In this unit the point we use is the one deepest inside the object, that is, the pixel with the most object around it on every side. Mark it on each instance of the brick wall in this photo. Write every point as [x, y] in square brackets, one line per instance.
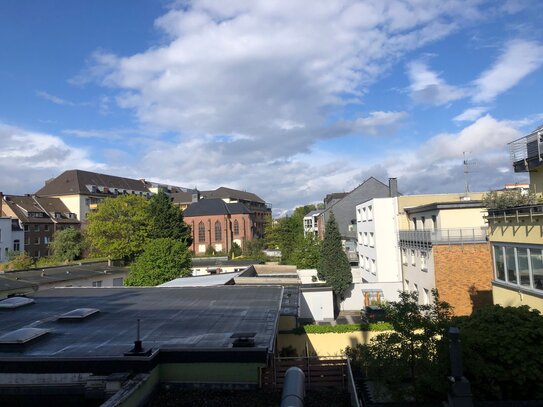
[463, 275]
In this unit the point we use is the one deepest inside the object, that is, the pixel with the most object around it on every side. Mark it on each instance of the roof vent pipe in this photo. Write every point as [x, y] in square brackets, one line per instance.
[138, 349]
[293, 388]
[393, 187]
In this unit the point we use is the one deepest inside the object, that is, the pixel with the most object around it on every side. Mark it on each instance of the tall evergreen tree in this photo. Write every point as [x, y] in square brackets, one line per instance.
[167, 220]
[334, 265]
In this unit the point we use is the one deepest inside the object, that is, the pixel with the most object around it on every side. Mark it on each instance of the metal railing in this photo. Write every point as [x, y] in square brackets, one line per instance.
[426, 238]
[527, 147]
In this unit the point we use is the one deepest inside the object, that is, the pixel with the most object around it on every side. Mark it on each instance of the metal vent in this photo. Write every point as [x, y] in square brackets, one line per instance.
[15, 302]
[243, 339]
[17, 339]
[78, 314]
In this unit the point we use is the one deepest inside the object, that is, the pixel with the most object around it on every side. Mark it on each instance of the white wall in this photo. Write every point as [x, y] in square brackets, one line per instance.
[354, 299]
[6, 243]
[317, 304]
[417, 278]
[377, 232]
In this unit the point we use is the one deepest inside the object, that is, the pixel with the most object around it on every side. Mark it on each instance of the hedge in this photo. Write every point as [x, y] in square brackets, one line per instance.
[342, 328]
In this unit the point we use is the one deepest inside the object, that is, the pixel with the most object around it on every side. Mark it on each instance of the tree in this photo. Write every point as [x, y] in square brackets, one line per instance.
[120, 227]
[411, 361]
[235, 251]
[253, 249]
[509, 199]
[162, 260]
[502, 353]
[307, 252]
[167, 220]
[334, 266]
[67, 244]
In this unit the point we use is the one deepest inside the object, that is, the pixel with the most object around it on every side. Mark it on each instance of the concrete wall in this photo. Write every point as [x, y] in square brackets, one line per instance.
[328, 344]
[463, 275]
[510, 297]
[317, 304]
[106, 281]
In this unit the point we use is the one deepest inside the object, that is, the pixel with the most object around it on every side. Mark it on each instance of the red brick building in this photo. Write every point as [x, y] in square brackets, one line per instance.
[218, 224]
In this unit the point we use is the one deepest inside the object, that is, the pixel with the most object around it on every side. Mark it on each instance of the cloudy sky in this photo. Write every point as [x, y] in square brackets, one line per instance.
[288, 99]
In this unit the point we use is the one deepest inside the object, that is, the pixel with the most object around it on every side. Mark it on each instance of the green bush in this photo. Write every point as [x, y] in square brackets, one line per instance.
[341, 328]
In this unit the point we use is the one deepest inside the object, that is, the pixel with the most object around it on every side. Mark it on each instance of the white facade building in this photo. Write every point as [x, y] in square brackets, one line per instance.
[379, 256]
[11, 238]
[311, 225]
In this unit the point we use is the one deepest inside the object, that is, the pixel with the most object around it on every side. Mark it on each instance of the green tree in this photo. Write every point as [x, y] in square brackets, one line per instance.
[119, 227]
[502, 351]
[509, 199]
[411, 361]
[67, 244]
[235, 251]
[307, 252]
[334, 266]
[167, 220]
[162, 260]
[253, 249]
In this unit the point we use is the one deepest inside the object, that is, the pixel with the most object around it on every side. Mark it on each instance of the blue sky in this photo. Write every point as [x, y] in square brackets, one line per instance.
[291, 100]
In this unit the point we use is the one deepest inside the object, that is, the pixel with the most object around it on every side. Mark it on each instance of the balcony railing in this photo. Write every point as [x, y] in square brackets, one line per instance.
[527, 152]
[427, 238]
[515, 213]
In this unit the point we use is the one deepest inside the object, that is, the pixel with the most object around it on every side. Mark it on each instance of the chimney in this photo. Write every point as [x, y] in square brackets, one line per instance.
[393, 187]
[196, 196]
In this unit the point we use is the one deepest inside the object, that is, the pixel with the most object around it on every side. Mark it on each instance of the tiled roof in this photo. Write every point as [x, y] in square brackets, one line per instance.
[224, 193]
[209, 207]
[22, 205]
[73, 182]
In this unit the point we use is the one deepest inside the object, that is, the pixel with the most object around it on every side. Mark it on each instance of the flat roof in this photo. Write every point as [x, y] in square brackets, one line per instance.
[201, 281]
[444, 205]
[190, 322]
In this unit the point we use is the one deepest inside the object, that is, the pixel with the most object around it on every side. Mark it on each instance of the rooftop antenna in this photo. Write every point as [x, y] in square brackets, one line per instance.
[467, 170]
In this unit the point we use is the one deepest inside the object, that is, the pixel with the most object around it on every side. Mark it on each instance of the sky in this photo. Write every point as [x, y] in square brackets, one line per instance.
[291, 100]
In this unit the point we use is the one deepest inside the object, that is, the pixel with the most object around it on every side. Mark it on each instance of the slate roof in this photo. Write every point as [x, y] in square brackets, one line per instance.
[181, 197]
[74, 182]
[210, 207]
[224, 193]
[21, 205]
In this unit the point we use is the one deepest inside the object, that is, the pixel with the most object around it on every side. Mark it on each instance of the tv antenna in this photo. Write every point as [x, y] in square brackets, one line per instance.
[468, 164]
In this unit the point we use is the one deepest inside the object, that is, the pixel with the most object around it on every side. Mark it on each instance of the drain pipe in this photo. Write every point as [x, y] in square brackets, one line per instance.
[293, 388]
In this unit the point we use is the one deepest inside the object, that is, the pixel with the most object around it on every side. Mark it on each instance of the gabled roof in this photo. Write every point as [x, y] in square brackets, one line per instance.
[74, 182]
[22, 205]
[209, 207]
[224, 193]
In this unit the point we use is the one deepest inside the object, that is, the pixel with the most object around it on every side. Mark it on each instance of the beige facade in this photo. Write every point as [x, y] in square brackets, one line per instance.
[507, 297]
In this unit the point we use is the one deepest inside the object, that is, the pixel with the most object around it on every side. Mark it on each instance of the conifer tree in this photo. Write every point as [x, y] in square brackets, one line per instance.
[334, 265]
[167, 220]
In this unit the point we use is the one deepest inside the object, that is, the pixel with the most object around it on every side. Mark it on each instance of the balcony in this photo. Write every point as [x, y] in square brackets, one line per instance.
[427, 238]
[527, 152]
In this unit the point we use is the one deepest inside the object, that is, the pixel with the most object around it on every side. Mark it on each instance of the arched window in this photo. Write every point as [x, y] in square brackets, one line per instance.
[201, 232]
[236, 227]
[218, 232]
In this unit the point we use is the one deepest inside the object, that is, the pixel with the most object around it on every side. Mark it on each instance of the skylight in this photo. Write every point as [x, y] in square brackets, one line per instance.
[22, 336]
[15, 302]
[78, 314]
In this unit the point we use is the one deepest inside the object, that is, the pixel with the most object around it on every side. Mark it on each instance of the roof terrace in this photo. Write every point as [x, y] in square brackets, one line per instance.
[527, 152]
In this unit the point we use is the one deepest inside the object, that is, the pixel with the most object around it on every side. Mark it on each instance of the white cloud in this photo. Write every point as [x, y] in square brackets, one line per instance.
[471, 114]
[54, 99]
[428, 88]
[28, 158]
[519, 58]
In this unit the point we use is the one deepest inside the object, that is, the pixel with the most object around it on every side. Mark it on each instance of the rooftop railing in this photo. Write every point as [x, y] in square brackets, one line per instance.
[527, 148]
[426, 238]
[515, 212]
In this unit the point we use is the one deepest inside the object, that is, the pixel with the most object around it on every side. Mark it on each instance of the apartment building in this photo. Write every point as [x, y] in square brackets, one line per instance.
[11, 237]
[446, 248]
[516, 233]
[39, 218]
[311, 223]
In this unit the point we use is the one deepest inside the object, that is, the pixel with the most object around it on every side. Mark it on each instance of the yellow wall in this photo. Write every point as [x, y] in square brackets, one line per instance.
[513, 298]
[328, 344]
[536, 181]
[461, 218]
[76, 204]
[513, 231]
[407, 201]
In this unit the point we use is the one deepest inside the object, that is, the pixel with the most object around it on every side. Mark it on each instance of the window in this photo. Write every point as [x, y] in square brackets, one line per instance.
[536, 261]
[499, 264]
[425, 297]
[46, 240]
[97, 283]
[404, 257]
[118, 282]
[416, 289]
[16, 245]
[46, 228]
[36, 240]
[370, 213]
[510, 265]
[523, 267]
[412, 257]
[364, 216]
[423, 265]
[372, 242]
[373, 268]
[218, 231]
[26, 228]
[36, 228]
[201, 232]
[365, 238]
